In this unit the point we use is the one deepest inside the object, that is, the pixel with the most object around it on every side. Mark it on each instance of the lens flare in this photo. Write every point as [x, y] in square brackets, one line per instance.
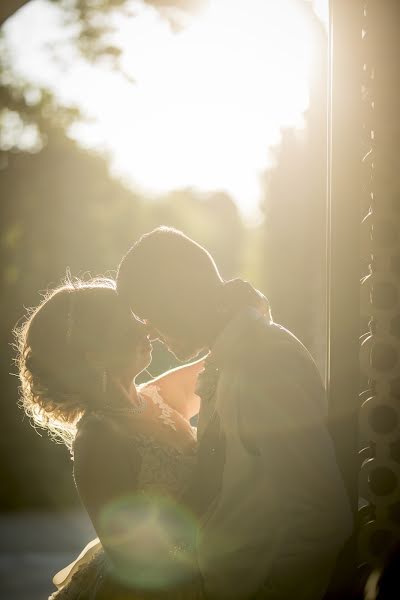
[151, 540]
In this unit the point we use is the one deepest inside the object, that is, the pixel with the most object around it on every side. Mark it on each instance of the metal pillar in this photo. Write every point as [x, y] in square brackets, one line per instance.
[344, 200]
[363, 379]
[380, 349]
[343, 262]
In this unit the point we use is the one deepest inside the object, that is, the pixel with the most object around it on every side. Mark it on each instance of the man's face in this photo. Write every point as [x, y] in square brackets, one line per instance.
[183, 345]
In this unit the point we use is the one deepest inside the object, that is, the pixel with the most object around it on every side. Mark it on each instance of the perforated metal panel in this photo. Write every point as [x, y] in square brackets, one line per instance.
[379, 417]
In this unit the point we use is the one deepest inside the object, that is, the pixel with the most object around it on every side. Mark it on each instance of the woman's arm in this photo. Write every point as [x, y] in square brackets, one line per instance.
[105, 470]
[177, 388]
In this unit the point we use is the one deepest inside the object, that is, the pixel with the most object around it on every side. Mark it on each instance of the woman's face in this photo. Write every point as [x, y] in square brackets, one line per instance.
[185, 338]
[141, 346]
[130, 348]
[143, 354]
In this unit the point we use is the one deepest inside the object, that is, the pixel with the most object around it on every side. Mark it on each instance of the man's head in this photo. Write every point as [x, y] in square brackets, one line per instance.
[173, 283]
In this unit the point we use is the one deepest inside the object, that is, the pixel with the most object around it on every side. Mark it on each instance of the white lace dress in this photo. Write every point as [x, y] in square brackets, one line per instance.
[149, 532]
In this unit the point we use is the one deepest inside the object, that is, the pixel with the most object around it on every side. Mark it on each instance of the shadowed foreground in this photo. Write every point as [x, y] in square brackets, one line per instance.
[33, 546]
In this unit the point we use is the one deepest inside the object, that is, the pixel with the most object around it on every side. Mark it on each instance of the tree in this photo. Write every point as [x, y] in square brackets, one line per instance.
[295, 217]
[87, 12]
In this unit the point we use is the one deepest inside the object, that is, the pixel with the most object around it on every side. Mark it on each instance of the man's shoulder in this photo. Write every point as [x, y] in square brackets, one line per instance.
[270, 348]
[265, 337]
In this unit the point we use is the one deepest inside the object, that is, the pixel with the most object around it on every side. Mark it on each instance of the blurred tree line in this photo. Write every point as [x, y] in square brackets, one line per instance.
[294, 240]
[61, 208]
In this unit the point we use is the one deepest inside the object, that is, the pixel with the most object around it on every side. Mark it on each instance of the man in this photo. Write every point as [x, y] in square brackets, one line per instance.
[274, 513]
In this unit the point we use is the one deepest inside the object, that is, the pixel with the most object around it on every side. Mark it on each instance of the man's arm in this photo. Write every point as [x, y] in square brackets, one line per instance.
[293, 509]
[234, 532]
[296, 447]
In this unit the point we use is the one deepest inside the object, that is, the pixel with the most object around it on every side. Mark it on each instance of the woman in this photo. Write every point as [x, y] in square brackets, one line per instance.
[133, 446]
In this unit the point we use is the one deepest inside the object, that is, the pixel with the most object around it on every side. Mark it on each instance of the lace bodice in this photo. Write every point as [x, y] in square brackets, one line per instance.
[166, 466]
[163, 444]
[132, 469]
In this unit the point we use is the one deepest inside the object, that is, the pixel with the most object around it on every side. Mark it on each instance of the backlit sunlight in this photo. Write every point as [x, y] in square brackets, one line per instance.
[206, 102]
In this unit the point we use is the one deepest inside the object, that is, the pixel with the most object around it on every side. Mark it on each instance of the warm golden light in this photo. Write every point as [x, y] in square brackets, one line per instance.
[207, 102]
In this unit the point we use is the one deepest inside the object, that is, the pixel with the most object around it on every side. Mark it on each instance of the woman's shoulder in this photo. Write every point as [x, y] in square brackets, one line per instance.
[95, 432]
[105, 465]
[102, 446]
[92, 423]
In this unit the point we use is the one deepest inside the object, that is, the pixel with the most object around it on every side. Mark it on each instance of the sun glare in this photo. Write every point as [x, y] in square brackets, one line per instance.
[207, 101]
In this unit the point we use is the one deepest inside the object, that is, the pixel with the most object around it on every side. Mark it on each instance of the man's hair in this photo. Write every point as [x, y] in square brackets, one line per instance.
[165, 261]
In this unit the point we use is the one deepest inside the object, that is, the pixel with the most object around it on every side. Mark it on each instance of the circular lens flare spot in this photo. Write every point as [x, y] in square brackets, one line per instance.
[151, 540]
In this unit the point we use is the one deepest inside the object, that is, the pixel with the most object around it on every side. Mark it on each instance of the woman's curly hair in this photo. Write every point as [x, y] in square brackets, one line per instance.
[54, 344]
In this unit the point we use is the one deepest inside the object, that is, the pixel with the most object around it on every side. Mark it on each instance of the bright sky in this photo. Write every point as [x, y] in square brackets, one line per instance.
[206, 103]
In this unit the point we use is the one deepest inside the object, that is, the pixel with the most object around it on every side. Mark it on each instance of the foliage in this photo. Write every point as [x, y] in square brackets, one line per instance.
[294, 256]
[93, 21]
